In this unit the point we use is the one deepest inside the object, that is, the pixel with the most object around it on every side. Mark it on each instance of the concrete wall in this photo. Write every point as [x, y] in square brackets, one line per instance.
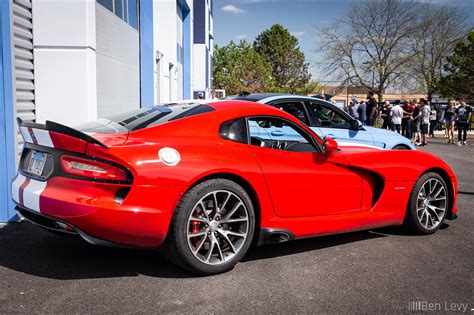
[65, 61]
[118, 64]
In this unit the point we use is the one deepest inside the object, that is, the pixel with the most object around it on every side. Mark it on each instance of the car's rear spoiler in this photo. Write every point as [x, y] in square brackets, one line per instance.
[51, 126]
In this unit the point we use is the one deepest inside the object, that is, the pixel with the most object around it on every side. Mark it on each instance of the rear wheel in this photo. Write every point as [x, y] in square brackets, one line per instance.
[428, 204]
[212, 227]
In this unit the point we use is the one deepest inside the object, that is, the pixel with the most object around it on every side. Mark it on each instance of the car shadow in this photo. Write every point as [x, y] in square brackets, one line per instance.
[308, 244]
[31, 250]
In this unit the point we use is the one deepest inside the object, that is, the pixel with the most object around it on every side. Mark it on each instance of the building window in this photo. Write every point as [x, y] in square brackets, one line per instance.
[118, 8]
[107, 4]
[126, 10]
[132, 13]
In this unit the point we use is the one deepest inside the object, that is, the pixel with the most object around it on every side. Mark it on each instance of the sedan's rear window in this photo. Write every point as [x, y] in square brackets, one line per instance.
[143, 118]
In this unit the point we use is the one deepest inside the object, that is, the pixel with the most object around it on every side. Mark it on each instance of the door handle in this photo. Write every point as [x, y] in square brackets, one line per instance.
[330, 135]
[278, 133]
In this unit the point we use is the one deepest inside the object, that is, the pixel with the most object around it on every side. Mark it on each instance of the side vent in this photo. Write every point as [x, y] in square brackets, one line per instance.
[273, 236]
[378, 189]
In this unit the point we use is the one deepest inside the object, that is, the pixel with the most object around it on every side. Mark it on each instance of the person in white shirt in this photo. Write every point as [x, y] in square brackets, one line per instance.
[214, 95]
[397, 115]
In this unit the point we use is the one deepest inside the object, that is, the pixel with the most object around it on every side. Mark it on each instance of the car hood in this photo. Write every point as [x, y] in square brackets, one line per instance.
[389, 138]
[399, 165]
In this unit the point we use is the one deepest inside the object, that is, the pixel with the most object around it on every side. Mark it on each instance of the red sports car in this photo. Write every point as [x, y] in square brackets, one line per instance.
[203, 182]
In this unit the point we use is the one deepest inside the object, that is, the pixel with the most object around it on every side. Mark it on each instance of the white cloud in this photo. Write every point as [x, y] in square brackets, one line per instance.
[230, 8]
[297, 34]
[240, 37]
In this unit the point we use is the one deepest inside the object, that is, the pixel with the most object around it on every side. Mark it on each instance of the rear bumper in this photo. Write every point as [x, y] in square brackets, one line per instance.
[59, 227]
[95, 212]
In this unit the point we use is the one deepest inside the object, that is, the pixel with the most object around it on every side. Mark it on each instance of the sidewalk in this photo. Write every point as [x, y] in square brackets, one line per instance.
[440, 134]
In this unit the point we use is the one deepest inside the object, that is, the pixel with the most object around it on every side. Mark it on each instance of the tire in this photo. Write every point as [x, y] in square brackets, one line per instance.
[223, 233]
[425, 217]
[400, 147]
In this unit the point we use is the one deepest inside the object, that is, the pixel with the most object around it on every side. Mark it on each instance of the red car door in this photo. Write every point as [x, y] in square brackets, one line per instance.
[301, 181]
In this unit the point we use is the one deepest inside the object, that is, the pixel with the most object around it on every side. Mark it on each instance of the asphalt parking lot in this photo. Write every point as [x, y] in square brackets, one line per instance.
[375, 271]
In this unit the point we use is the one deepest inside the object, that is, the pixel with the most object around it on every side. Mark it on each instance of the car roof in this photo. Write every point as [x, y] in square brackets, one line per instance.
[268, 97]
[249, 107]
[253, 97]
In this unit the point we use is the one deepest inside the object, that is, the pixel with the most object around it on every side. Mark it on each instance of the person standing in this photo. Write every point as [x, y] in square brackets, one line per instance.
[433, 121]
[449, 116]
[353, 106]
[415, 124]
[362, 112]
[371, 108]
[386, 115]
[406, 120]
[425, 121]
[396, 117]
[214, 95]
[463, 118]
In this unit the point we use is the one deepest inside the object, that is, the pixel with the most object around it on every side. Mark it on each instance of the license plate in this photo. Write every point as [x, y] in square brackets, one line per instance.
[37, 162]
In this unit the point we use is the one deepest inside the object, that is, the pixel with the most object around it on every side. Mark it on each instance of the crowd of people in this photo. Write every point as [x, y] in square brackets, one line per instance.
[414, 119]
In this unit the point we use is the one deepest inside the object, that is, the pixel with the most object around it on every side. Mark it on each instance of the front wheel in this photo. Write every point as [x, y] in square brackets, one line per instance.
[212, 227]
[428, 204]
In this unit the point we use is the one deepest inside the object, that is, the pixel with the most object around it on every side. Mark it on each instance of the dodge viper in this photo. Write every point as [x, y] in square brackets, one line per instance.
[201, 183]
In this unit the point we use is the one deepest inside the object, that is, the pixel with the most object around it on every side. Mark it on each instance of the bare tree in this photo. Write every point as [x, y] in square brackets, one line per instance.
[439, 28]
[369, 47]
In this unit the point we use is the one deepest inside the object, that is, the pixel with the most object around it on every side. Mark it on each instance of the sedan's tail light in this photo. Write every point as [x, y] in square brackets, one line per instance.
[78, 166]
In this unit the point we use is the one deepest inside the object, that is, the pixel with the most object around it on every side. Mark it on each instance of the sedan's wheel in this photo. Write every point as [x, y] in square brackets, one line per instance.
[428, 204]
[400, 147]
[212, 227]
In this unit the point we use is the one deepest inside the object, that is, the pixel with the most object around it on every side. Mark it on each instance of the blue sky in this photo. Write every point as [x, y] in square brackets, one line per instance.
[236, 19]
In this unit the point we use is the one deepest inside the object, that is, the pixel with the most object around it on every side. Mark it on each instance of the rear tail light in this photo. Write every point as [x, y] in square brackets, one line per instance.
[74, 165]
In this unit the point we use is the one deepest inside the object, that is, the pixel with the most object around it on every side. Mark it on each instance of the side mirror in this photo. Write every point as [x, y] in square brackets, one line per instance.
[356, 124]
[330, 145]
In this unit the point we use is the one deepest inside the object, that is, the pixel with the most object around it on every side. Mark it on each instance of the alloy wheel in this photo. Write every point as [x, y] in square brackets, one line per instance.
[431, 203]
[217, 227]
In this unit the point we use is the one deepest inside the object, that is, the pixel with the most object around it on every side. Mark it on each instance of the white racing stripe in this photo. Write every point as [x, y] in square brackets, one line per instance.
[43, 137]
[16, 184]
[26, 135]
[32, 193]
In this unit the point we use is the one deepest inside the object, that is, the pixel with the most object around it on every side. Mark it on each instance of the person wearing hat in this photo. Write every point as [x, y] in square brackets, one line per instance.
[353, 106]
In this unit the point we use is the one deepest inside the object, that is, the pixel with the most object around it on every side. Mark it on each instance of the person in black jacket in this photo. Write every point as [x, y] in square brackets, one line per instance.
[463, 118]
[371, 109]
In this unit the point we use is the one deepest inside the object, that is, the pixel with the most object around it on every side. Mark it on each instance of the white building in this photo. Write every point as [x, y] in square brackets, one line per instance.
[71, 61]
[203, 47]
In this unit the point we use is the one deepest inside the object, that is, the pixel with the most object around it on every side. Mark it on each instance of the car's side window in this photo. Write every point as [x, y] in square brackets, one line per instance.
[295, 109]
[279, 134]
[235, 130]
[327, 117]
